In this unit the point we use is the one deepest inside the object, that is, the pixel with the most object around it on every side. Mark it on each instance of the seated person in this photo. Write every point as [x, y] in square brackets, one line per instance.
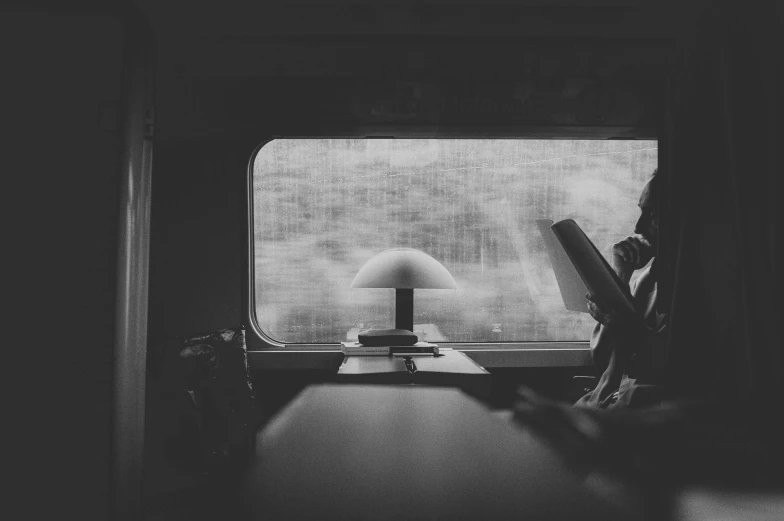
[624, 353]
[630, 425]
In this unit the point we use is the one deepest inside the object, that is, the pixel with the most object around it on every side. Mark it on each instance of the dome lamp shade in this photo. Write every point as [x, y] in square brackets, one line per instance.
[403, 269]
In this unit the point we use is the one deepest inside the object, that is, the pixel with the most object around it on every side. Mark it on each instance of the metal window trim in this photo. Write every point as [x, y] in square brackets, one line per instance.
[328, 357]
[266, 353]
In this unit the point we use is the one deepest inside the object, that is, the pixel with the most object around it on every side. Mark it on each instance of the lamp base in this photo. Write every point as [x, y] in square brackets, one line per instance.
[387, 337]
[404, 309]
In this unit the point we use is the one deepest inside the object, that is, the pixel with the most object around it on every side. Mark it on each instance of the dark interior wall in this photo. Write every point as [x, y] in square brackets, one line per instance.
[196, 240]
[61, 90]
[199, 219]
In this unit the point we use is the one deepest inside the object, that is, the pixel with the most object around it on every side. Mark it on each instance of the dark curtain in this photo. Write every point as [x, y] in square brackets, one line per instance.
[721, 160]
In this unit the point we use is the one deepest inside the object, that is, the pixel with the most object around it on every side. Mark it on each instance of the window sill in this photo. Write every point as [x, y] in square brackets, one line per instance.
[489, 356]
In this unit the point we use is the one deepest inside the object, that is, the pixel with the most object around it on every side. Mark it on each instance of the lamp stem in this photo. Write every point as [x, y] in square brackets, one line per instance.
[404, 308]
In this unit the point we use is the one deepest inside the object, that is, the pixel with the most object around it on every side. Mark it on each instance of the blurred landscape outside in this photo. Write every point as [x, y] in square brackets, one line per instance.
[322, 207]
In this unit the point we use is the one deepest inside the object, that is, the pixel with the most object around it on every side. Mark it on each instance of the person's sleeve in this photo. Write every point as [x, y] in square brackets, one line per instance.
[601, 347]
[605, 341]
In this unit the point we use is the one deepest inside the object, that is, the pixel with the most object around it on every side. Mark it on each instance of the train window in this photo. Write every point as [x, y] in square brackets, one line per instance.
[322, 207]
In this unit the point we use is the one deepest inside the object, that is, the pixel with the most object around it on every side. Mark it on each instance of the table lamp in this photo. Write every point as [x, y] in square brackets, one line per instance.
[403, 269]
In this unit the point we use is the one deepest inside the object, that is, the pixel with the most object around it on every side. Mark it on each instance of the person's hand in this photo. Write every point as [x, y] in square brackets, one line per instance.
[603, 313]
[630, 254]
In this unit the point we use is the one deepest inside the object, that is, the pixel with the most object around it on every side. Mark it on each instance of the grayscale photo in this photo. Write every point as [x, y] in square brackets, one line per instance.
[379, 260]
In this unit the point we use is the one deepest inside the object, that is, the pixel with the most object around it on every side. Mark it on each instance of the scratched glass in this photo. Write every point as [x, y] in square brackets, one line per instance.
[322, 207]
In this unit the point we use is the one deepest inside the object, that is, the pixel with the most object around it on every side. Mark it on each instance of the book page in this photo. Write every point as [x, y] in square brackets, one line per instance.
[570, 284]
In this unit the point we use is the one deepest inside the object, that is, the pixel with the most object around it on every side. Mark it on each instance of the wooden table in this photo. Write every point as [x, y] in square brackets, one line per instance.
[397, 452]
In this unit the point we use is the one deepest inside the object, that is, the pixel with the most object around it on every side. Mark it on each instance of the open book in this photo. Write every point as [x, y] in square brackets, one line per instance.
[579, 268]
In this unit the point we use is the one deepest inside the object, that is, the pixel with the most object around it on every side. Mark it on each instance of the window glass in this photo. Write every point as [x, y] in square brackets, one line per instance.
[322, 207]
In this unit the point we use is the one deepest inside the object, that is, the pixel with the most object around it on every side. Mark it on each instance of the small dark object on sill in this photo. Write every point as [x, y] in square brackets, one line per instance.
[387, 337]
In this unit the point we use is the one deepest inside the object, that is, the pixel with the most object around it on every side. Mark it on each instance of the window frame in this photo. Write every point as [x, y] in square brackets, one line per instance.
[267, 353]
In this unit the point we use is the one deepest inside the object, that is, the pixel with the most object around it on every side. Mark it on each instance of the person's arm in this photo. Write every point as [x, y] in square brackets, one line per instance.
[614, 331]
[631, 254]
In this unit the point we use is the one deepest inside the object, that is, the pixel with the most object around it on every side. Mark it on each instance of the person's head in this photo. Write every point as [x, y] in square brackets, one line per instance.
[648, 223]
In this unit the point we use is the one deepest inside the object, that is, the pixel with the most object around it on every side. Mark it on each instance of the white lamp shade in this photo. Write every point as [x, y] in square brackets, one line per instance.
[403, 268]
